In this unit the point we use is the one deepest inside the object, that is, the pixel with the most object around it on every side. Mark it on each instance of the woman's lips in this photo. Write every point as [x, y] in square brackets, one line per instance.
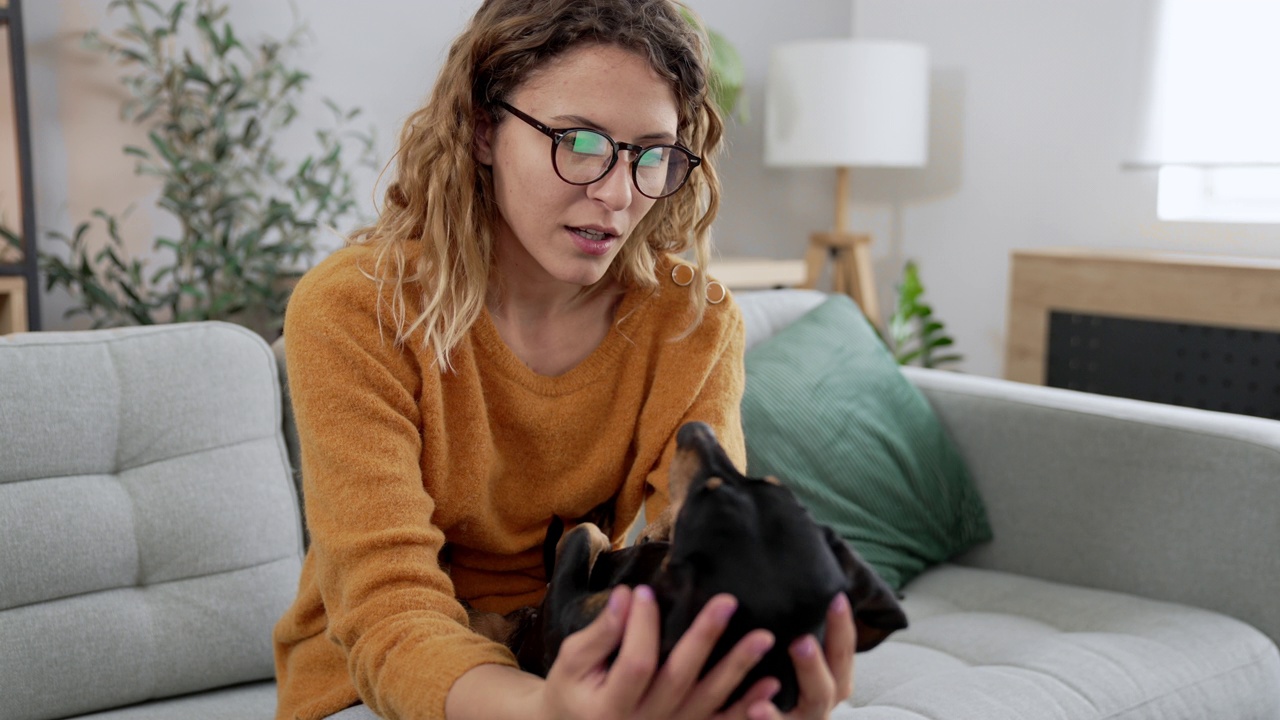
[591, 242]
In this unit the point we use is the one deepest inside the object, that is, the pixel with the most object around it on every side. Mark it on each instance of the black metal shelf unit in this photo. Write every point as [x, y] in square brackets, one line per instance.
[28, 268]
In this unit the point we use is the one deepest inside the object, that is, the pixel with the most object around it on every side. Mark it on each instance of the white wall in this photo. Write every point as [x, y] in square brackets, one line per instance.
[1033, 103]
[1035, 106]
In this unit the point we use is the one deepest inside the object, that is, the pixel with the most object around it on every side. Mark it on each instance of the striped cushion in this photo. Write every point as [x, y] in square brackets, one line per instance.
[827, 411]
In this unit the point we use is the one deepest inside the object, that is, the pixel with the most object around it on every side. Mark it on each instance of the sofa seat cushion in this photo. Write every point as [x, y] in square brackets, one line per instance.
[986, 645]
[254, 701]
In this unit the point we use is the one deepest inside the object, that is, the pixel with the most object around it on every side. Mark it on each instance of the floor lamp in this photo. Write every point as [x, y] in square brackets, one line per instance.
[845, 104]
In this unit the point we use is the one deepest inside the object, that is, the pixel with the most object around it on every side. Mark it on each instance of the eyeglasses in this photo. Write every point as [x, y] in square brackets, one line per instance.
[582, 156]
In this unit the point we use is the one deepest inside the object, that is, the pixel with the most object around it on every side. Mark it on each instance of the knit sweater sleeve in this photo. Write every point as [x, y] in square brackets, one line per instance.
[714, 393]
[358, 401]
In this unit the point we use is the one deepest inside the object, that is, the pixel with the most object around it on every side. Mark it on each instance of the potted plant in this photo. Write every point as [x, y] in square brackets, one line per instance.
[213, 105]
[915, 336]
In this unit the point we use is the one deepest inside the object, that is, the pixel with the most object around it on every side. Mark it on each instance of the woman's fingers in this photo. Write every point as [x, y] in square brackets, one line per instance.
[842, 639]
[633, 669]
[587, 650]
[682, 668]
[760, 694]
[631, 626]
[817, 686]
[764, 711]
[716, 686]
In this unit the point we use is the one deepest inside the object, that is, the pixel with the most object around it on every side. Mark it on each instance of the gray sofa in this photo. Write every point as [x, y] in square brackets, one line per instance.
[150, 537]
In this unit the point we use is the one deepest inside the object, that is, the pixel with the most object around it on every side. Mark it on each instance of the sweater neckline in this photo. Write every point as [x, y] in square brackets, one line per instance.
[490, 342]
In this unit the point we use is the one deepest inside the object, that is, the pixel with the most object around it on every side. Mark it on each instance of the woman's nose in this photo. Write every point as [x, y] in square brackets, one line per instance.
[614, 189]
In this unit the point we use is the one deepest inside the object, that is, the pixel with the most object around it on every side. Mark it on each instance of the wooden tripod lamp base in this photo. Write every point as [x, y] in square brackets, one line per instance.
[851, 274]
[850, 254]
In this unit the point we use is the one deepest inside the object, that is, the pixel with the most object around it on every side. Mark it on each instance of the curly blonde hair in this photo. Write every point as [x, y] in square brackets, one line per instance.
[504, 43]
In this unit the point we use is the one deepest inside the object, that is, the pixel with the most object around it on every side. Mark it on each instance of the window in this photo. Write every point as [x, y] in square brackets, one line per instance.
[1214, 110]
[1225, 194]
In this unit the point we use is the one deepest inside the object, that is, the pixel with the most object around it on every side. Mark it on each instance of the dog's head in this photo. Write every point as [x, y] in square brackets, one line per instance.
[752, 538]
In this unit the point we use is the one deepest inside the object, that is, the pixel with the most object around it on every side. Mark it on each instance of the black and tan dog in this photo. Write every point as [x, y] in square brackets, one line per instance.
[723, 533]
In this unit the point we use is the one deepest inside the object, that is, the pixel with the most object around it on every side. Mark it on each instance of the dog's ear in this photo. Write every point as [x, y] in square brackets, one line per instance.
[685, 466]
[876, 610]
[603, 516]
[580, 548]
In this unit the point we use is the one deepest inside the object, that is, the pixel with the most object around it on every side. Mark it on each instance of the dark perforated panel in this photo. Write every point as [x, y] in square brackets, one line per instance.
[1203, 366]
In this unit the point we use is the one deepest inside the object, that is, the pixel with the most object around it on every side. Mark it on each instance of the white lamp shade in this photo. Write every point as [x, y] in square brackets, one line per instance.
[851, 103]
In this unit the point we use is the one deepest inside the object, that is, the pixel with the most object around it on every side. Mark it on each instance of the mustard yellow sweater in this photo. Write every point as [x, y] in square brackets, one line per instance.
[400, 461]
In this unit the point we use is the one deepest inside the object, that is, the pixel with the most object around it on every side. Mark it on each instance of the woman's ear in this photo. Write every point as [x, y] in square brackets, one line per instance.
[483, 145]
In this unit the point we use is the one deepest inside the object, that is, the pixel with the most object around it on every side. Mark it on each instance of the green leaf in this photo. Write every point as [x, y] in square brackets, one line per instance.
[175, 15]
[115, 259]
[163, 147]
[77, 238]
[204, 25]
[193, 71]
[910, 357]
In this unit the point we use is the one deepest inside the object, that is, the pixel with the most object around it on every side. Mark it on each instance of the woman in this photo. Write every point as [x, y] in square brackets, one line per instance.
[513, 341]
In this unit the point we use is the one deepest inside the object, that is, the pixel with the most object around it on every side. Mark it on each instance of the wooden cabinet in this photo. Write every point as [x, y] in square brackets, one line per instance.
[1178, 328]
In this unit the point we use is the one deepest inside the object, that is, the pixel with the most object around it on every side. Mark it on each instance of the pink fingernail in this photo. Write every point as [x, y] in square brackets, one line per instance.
[841, 604]
[726, 611]
[806, 647]
[644, 593]
[615, 601]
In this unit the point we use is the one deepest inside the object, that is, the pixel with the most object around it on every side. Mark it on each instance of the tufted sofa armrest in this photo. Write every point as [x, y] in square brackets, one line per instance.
[1166, 502]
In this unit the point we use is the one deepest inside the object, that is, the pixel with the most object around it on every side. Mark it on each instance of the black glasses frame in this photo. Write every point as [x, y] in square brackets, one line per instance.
[558, 134]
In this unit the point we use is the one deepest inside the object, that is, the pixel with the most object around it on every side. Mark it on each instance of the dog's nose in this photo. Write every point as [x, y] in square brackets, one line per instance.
[700, 439]
[696, 436]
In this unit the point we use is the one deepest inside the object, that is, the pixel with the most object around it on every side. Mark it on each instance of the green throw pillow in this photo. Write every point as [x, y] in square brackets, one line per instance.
[827, 411]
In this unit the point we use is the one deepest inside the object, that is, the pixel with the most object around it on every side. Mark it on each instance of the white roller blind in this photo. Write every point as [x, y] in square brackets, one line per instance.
[1215, 85]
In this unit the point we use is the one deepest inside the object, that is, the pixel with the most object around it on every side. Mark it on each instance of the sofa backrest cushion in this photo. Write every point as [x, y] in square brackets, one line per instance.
[149, 531]
[765, 312]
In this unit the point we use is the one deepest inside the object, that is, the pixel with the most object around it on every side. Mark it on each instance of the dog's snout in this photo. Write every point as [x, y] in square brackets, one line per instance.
[696, 436]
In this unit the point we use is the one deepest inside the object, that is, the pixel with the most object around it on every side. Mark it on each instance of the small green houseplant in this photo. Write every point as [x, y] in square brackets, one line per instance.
[214, 106]
[915, 336]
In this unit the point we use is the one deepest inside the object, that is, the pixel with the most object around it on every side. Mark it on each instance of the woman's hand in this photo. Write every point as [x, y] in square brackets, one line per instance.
[826, 677]
[581, 683]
